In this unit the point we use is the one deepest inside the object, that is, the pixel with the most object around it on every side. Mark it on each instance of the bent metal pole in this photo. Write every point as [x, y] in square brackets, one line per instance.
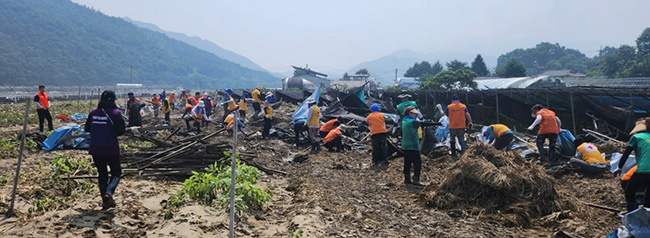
[10, 210]
[233, 174]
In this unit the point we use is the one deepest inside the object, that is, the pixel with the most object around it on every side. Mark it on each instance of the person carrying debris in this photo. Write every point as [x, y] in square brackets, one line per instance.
[639, 143]
[549, 128]
[257, 101]
[197, 114]
[105, 124]
[42, 102]
[442, 131]
[334, 138]
[411, 145]
[133, 107]
[230, 122]
[230, 102]
[166, 109]
[459, 120]
[378, 138]
[269, 97]
[194, 100]
[588, 159]
[155, 104]
[313, 123]
[499, 136]
[183, 97]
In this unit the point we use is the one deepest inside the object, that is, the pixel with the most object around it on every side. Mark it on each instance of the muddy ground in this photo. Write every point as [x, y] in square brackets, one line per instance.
[326, 195]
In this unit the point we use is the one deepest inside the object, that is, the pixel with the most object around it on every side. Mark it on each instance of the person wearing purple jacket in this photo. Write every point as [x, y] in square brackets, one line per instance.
[105, 124]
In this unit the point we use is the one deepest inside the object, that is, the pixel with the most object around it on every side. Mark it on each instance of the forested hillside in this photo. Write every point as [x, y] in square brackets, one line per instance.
[60, 42]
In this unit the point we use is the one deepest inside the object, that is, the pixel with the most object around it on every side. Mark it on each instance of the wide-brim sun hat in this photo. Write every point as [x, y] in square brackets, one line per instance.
[404, 95]
[639, 126]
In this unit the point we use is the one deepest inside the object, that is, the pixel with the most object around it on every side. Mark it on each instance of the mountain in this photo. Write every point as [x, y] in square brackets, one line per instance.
[57, 42]
[206, 45]
[383, 69]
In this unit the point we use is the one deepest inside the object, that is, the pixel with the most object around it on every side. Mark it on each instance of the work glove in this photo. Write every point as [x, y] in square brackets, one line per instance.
[470, 125]
[438, 106]
[530, 128]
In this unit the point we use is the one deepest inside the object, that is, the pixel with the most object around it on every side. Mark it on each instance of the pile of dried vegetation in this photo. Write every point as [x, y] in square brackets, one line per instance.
[500, 186]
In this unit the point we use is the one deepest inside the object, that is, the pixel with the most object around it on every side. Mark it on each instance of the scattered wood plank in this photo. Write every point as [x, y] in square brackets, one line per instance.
[602, 207]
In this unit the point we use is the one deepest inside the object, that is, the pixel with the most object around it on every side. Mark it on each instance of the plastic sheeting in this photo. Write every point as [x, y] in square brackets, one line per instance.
[303, 109]
[565, 141]
[61, 138]
[637, 222]
[616, 158]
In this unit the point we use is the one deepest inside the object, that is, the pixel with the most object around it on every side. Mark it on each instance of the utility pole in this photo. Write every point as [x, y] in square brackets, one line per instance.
[396, 77]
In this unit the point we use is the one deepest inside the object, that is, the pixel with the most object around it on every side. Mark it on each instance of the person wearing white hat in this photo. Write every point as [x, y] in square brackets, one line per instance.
[197, 115]
[269, 97]
[639, 143]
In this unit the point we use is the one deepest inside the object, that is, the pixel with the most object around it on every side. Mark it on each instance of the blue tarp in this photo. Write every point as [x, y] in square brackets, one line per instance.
[565, 140]
[303, 109]
[54, 142]
[78, 116]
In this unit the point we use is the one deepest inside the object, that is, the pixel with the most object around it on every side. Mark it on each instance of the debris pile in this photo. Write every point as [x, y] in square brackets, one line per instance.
[499, 185]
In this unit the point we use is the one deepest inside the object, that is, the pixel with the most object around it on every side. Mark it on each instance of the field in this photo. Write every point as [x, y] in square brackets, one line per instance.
[322, 195]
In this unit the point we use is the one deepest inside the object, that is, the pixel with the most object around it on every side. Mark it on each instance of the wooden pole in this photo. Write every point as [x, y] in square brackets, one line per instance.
[79, 100]
[10, 210]
[573, 114]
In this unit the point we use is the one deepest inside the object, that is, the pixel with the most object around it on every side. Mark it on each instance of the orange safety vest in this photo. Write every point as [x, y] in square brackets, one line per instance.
[171, 98]
[230, 120]
[627, 176]
[192, 101]
[376, 122]
[331, 135]
[499, 129]
[43, 99]
[328, 126]
[231, 104]
[155, 102]
[456, 115]
[548, 125]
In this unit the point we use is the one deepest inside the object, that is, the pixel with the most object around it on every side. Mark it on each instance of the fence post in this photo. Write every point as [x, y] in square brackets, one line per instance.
[10, 210]
[573, 114]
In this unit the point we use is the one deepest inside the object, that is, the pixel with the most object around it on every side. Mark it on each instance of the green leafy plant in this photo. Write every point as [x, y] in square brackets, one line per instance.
[213, 187]
[3, 180]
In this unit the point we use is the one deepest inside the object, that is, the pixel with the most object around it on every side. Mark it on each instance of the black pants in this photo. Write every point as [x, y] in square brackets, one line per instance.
[101, 162]
[503, 141]
[412, 157]
[242, 114]
[322, 134]
[256, 109]
[637, 180]
[336, 143]
[197, 124]
[267, 127]
[298, 127]
[379, 148]
[42, 115]
[552, 139]
[167, 117]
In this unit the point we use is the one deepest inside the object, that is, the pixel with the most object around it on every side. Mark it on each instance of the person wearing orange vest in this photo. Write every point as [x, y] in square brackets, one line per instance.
[377, 125]
[194, 100]
[334, 138]
[42, 102]
[549, 128]
[155, 104]
[328, 126]
[588, 159]
[172, 100]
[499, 135]
[459, 119]
[313, 125]
[133, 107]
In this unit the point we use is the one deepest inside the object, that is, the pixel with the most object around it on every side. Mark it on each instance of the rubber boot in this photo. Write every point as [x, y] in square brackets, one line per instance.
[110, 190]
[416, 181]
[102, 193]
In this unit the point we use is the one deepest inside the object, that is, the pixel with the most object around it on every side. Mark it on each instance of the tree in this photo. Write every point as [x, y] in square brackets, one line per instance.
[346, 76]
[362, 71]
[456, 65]
[616, 62]
[419, 71]
[546, 56]
[512, 69]
[436, 68]
[643, 42]
[451, 79]
[478, 66]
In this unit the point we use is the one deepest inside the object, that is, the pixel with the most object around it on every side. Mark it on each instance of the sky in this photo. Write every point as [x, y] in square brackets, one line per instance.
[336, 35]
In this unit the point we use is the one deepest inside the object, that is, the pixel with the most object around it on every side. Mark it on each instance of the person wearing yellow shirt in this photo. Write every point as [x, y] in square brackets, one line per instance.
[268, 118]
[499, 136]
[313, 125]
[588, 159]
[243, 107]
[255, 94]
